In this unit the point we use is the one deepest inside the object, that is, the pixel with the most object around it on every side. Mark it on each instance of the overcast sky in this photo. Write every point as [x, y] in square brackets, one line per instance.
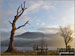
[44, 15]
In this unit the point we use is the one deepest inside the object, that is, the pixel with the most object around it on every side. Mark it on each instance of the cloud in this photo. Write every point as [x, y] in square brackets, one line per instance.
[65, 20]
[34, 7]
[48, 7]
[25, 18]
[40, 23]
[68, 16]
[37, 5]
[43, 23]
[68, 21]
[53, 26]
[49, 29]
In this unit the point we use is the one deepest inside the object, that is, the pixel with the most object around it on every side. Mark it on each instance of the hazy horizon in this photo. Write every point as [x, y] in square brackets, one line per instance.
[44, 16]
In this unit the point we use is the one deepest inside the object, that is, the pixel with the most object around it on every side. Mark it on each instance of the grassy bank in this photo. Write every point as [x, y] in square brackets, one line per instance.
[54, 52]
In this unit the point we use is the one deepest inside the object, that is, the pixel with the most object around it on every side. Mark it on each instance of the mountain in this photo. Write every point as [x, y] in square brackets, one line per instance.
[28, 39]
[31, 35]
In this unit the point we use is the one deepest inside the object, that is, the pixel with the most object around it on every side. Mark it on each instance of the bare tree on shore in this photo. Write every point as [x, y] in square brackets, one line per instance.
[20, 11]
[66, 33]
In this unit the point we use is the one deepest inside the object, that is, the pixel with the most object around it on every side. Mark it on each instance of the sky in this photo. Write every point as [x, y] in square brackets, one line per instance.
[43, 15]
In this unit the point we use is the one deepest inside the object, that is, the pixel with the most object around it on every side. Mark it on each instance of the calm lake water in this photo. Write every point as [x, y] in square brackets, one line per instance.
[23, 49]
[18, 48]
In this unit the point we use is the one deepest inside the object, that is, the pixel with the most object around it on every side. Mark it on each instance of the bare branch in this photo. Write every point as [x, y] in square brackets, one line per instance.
[21, 6]
[10, 22]
[70, 39]
[18, 10]
[22, 25]
[66, 33]
[24, 4]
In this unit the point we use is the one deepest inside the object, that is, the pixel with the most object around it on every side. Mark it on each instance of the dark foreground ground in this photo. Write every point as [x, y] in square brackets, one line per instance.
[33, 53]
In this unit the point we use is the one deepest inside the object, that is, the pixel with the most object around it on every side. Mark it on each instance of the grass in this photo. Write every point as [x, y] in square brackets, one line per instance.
[54, 52]
[49, 52]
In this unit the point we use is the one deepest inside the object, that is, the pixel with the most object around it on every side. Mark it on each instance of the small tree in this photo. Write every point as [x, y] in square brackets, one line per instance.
[66, 33]
[20, 11]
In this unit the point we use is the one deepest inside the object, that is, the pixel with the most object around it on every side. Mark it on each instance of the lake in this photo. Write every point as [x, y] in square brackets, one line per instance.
[18, 48]
[22, 48]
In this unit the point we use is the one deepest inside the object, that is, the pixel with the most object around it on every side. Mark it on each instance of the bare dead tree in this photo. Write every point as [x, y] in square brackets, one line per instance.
[43, 46]
[66, 33]
[20, 11]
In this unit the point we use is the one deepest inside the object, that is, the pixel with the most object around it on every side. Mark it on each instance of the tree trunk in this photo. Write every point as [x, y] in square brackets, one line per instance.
[66, 47]
[20, 11]
[11, 47]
